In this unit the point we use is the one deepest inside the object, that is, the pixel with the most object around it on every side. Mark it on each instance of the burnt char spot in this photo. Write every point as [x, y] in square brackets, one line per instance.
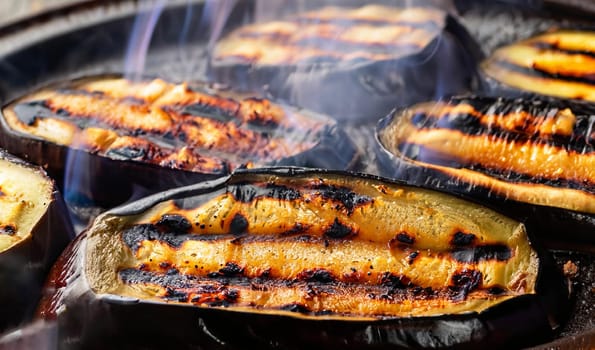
[479, 253]
[8, 230]
[461, 239]
[464, 282]
[238, 225]
[411, 257]
[174, 223]
[317, 275]
[348, 199]
[127, 153]
[28, 112]
[247, 192]
[296, 229]
[303, 309]
[135, 235]
[496, 290]
[231, 295]
[403, 237]
[394, 283]
[231, 269]
[338, 230]
[176, 295]
[171, 279]
[208, 111]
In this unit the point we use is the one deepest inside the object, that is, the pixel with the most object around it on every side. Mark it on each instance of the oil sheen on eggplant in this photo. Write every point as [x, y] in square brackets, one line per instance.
[351, 260]
[159, 135]
[527, 151]
[34, 228]
[354, 64]
[557, 63]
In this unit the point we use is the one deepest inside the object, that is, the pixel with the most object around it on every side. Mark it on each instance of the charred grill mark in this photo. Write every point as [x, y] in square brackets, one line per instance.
[239, 224]
[555, 46]
[469, 124]
[539, 72]
[317, 275]
[338, 230]
[343, 46]
[129, 153]
[296, 229]
[174, 223]
[223, 289]
[209, 111]
[247, 193]
[8, 229]
[481, 253]
[229, 270]
[419, 152]
[379, 22]
[343, 195]
[465, 282]
[462, 239]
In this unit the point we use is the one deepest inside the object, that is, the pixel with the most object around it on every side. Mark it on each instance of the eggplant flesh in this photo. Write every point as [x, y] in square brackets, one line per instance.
[34, 228]
[558, 63]
[352, 260]
[354, 64]
[157, 135]
[536, 157]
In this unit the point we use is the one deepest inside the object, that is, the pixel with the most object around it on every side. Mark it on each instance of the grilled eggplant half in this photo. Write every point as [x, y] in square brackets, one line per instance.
[348, 260]
[532, 158]
[354, 64]
[34, 229]
[557, 63]
[116, 133]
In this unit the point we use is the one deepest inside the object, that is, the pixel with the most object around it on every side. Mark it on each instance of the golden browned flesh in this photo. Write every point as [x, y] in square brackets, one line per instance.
[157, 122]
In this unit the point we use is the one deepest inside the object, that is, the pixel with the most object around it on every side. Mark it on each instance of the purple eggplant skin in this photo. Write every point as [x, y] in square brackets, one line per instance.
[363, 92]
[90, 321]
[23, 267]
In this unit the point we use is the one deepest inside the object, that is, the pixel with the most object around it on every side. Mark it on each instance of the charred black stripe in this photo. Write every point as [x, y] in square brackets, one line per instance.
[379, 22]
[338, 230]
[482, 252]
[462, 239]
[423, 154]
[556, 47]
[317, 275]
[542, 73]
[204, 110]
[247, 193]
[346, 46]
[135, 235]
[345, 196]
[174, 223]
[220, 288]
[470, 125]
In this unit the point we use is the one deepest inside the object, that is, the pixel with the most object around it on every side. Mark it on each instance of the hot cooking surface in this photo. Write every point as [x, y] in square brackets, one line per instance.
[94, 38]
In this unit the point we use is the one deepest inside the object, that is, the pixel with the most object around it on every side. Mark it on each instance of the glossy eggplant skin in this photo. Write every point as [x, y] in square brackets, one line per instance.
[135, 323]
[86, 173]
[23, 267]
[363, 90]
[557, 204]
